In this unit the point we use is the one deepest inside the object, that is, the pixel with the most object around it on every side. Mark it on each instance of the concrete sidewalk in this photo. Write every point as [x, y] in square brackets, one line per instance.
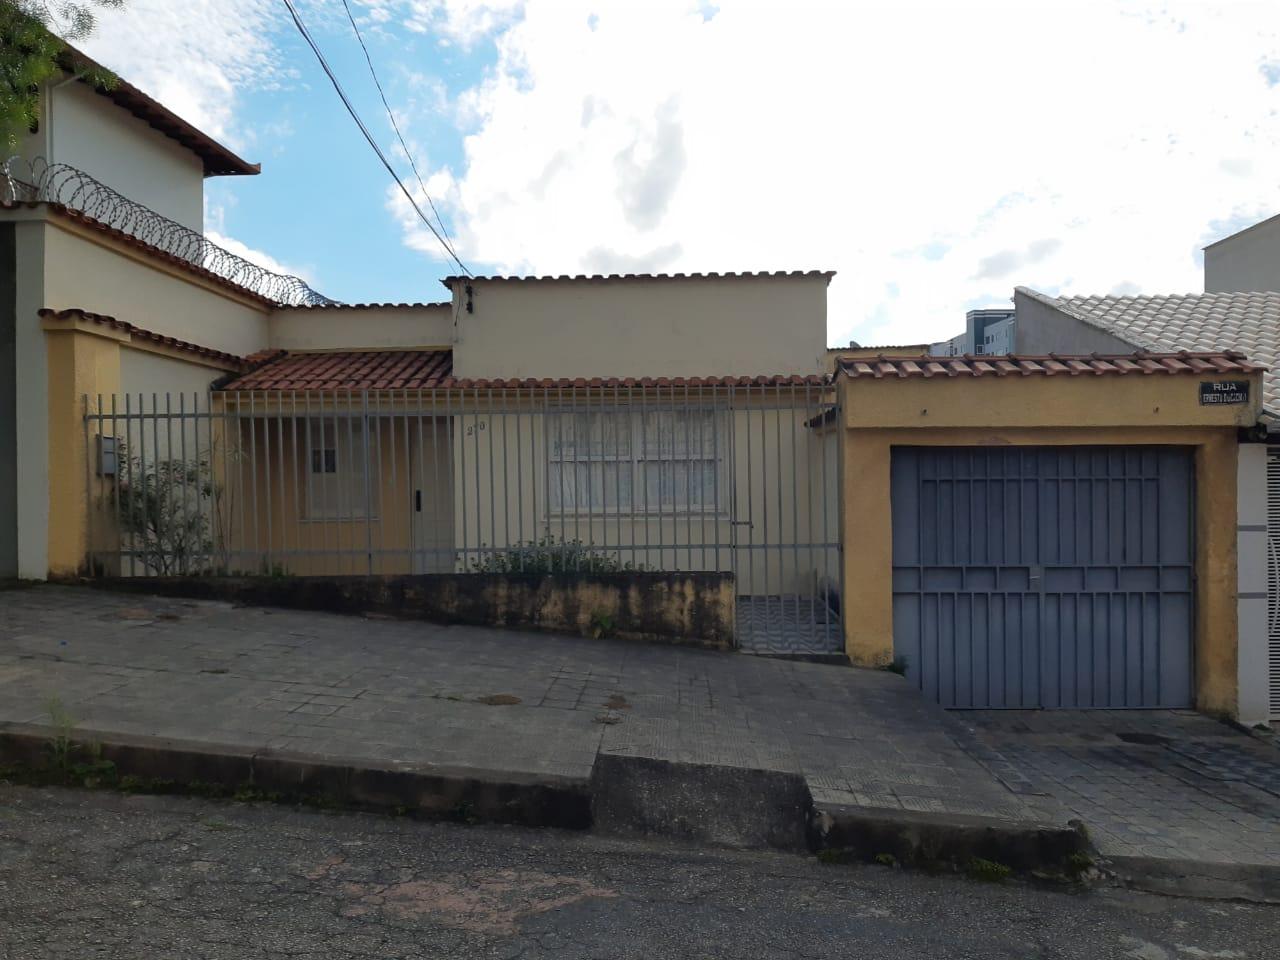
[492, 703]
[1171, 797]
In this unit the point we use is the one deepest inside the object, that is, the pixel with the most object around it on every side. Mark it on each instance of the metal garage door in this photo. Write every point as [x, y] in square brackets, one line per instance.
[1043, 576]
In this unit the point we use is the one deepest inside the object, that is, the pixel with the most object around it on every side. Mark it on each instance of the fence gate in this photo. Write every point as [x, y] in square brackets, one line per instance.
[1045, 577]
[739, 478]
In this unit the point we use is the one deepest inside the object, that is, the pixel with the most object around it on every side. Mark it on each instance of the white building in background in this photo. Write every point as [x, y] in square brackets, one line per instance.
[986, 331]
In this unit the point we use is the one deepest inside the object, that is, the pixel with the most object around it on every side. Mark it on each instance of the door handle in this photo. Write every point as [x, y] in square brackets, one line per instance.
[417, 500]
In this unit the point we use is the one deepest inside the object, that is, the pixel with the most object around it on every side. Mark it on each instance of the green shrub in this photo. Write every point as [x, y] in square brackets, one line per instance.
[551, 555]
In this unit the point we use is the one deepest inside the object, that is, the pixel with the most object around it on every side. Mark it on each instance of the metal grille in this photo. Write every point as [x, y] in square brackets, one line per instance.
[1273, 578]
[1057, 577]
[733, 479]
[38, 180]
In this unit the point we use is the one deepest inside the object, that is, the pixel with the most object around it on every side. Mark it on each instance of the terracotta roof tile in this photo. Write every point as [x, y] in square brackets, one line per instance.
[1248, 322]
[230, 360]
[218, 160]
[362, 306]
[348, 370]
[597, 277]
[431, 369]
[899, 367]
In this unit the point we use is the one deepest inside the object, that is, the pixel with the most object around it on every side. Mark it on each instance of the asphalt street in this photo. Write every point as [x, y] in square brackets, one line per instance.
[99, 874]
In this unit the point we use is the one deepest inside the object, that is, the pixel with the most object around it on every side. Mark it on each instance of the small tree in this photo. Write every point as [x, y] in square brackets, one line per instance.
[31, 53]
[165, 509]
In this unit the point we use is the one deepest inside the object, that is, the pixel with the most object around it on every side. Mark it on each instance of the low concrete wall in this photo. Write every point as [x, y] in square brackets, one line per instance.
[687, 608]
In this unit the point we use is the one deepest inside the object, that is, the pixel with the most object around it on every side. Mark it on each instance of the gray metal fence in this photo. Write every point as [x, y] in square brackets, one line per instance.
[740, 479]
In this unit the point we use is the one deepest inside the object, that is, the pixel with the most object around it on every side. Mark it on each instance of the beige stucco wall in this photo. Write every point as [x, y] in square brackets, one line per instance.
[142, 371]
[263, 499]
[60, 266]
[642, 328]
[361, 328]
[1245, 261]
[89, 132]
[84, 269]
[32, 420]
[777, 497]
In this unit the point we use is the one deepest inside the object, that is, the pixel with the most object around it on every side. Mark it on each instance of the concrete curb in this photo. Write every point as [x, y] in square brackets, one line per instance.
[1255, 883]
[722, 806]
[736, 807]
[913, 838]
[426, 789]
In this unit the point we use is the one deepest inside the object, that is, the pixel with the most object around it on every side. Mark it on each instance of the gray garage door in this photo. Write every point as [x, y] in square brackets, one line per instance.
[1045, 577]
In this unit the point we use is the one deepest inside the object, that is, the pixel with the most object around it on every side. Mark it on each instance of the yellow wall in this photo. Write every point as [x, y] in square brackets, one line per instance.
[266, 520]
[93, 361]
[62, 265]
[882, 414]
[80, 363]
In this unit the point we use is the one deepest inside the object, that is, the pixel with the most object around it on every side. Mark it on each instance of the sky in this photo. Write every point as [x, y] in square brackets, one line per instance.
[934, 154]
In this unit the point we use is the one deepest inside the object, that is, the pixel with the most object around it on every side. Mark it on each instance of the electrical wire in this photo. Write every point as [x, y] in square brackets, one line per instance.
[396, 126]
[346, 102]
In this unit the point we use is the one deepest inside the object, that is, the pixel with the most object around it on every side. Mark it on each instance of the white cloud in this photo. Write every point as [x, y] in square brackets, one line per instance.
[935, 154]
[193, 55]
[261, 258]
[460, 22]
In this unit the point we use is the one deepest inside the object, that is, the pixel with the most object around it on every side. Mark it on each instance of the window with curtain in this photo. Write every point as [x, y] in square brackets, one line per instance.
[338, 460]
[635, 461]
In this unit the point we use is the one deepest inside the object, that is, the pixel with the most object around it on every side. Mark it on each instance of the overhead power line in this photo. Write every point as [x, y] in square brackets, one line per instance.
[391, 115]
[355, 115]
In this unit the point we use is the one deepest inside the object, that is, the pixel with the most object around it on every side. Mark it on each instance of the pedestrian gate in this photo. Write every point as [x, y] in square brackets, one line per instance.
[1031, 577]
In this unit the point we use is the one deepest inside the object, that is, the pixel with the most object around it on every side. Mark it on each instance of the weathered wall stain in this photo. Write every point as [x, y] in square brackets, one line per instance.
[687, 608]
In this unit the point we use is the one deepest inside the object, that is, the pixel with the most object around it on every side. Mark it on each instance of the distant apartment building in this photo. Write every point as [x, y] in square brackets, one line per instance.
[986, 331]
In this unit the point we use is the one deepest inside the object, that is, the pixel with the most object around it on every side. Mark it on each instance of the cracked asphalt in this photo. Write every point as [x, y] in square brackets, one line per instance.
[97, 874]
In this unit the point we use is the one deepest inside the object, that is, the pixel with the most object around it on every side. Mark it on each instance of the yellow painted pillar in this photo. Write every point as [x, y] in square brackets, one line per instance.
[82, 361]
[867, 543]
[1217, 622]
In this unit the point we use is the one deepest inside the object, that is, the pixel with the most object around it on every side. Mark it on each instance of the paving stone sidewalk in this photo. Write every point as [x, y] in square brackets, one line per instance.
[1165, 785]
[489, 700]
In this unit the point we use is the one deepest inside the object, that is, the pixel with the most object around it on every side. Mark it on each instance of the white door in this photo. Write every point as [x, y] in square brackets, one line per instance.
[432, 495]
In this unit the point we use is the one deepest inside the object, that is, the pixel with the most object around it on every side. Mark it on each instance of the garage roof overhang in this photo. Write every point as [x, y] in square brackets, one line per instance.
[1135, 390]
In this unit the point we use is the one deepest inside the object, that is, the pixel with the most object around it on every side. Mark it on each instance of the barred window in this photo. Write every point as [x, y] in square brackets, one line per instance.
[635, 461]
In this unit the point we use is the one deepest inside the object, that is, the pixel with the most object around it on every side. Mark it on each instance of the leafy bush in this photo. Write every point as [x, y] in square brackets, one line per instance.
[164, 508]
[551, 555]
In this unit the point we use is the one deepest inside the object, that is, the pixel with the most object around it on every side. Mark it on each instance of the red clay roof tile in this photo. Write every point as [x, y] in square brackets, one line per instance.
[900, 367]
[431, 369]
[230, 360]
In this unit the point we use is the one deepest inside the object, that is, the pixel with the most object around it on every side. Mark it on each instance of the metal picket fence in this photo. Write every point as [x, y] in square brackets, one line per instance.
[727, 478]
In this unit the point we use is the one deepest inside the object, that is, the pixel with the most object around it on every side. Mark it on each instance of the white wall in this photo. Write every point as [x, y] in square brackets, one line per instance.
[361, 328]
[88, 131]
[642, 328]
[1251, 526]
